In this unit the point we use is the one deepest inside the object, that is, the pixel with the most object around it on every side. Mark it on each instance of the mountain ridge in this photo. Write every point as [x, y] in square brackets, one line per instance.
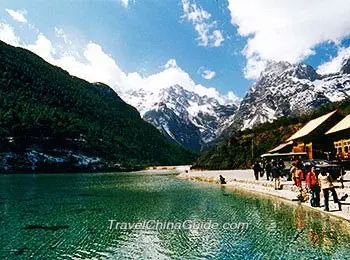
[52, 120]
[285, 89]
[183, 115]
[242, 148]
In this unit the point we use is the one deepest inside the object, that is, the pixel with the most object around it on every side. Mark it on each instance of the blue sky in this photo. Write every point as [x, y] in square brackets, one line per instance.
[219, 43]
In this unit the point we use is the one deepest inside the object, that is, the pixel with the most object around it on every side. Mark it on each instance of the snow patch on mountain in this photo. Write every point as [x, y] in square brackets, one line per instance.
[176, 109]
[285, 89]
[192, 118]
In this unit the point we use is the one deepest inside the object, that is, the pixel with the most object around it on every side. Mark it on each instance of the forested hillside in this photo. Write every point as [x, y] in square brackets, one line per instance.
[45, 110]
[243, 147]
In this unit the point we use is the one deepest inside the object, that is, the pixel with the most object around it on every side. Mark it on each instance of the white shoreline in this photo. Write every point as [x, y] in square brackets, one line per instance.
[244, 179]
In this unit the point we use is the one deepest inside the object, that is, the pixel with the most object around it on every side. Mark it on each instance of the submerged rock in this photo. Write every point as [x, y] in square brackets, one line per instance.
[21, 251]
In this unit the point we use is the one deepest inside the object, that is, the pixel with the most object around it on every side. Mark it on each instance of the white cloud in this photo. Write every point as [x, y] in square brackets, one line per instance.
[174, 75]
[18, 15]
[255, 65]
[170, 64]
[287, 30]
[202, 24]
[125, 3]
[206, 73]
[97, 66]
[42, 47]
[171, 75]
[59, 32]
[216, 38]
[8, 35]
[335, 64]
[232, 98]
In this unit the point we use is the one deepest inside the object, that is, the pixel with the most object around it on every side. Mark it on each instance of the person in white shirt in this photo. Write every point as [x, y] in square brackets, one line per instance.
[327, 186]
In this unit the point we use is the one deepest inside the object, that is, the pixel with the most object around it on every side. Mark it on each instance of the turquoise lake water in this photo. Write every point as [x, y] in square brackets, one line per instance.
[67, 216]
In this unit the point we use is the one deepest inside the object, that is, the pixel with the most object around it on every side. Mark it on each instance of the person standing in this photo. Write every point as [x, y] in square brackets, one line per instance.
[262, 169]
[327, 186]
[298, 175]
[268, 168]
[256, 169]
[298, 182]
[276, 174]
[313, 185]
[281, 165]
[298, 163]
[342, 170]
[292, 172]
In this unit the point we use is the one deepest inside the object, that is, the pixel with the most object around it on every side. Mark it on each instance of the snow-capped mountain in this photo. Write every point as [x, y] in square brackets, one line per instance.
[185, 116]
[285, 89]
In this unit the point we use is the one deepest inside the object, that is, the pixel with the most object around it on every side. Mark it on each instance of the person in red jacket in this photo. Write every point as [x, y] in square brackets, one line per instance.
[314, 187]
[298, 177]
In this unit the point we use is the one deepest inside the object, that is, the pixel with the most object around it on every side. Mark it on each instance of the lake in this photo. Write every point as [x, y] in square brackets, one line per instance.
[156, 216]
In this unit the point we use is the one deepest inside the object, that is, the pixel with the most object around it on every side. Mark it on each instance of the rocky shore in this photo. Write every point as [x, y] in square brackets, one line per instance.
[57, 161]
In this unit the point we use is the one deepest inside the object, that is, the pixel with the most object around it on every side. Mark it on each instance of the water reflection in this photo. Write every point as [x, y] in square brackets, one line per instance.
[85, 202]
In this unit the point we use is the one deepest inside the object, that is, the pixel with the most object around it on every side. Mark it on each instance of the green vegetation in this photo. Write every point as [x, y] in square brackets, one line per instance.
[42, 107]
[242, 147]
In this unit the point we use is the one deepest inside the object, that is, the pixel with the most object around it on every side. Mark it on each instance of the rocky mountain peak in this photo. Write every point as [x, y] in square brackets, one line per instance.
[302, 71]
[345, 68]
[276, 68]
[184, 115]
[283, 69]
[285, 89]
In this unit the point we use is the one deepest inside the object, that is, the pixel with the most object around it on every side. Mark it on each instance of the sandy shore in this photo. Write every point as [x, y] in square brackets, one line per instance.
[244, 179]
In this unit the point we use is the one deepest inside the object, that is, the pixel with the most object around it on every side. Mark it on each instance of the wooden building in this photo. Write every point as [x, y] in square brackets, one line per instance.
[311, 137]
[340, 135]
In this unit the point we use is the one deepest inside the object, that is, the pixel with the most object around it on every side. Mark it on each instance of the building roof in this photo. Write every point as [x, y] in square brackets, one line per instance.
[342, 125]
[282, 154]
[280, 147]
[311, 126]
